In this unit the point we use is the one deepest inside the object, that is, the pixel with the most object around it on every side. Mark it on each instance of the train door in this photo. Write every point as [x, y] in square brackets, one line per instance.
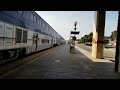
[52, 42]
[35, 41]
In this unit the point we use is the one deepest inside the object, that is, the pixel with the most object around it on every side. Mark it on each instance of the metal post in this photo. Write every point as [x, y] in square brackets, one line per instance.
[1, 59]
[75, 23]
[73, 38]
[117, 45]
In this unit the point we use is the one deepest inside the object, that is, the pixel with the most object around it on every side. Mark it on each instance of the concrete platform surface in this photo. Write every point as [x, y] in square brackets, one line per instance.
[61, 64]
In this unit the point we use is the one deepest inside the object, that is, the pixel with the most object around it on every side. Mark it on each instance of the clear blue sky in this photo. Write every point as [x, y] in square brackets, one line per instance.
[63, 21]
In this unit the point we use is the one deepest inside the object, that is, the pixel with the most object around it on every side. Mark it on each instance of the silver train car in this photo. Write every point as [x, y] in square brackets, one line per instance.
[25, 32]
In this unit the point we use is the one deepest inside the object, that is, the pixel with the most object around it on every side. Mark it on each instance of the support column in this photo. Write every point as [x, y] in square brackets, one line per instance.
[98, 34]
[117, 55]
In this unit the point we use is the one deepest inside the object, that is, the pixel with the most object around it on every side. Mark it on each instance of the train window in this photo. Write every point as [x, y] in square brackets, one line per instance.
[18, 35]
[46, 28]
[24, 36]
[45, 41]
[31, 16]
[21, 12]
[35, 18]
[43, 25]
[39, 22]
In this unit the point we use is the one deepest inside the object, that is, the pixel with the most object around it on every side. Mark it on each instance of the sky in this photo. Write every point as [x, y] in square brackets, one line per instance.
[63, 21]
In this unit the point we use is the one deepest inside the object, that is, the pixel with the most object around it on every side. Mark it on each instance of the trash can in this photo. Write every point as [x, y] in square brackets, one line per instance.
[72, 49]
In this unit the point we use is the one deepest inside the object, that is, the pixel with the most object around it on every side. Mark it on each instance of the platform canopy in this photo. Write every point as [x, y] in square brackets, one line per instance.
[75, 32]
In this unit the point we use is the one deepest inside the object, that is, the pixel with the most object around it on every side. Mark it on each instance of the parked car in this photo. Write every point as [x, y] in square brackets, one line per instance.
[109, 45]
[88, 43]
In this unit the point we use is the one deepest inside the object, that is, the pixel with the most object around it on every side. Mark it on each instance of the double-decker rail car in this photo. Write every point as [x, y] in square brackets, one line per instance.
[25, 32]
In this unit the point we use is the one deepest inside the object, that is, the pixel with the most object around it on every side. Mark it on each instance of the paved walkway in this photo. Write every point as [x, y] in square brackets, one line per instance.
[61, 64]
[104, 68]
[109, 54]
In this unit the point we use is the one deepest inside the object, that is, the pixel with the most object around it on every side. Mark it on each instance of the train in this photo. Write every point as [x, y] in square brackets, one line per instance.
[25, 32]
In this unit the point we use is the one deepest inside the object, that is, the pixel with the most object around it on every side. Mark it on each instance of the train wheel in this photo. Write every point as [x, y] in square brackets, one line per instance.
[22, 53]
[5, 55]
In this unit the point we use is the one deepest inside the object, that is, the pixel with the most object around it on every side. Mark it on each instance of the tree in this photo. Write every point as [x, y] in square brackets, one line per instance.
[113, 35]
[90, 37]
[106, 39]
[87, 38]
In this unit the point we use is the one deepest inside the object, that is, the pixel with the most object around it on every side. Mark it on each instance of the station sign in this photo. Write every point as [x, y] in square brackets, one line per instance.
[75, 32]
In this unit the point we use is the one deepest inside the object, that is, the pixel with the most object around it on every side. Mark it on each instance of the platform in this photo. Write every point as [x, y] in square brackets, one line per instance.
[59, 63]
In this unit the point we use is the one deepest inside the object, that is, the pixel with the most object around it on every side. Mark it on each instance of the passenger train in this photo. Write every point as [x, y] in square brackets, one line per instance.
[25, 32]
